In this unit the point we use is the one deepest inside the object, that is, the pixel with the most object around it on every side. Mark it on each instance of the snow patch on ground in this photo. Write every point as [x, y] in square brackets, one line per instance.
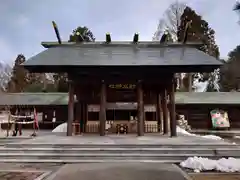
[237, 137]
[60, 128]
[181, 131]
[199, 164]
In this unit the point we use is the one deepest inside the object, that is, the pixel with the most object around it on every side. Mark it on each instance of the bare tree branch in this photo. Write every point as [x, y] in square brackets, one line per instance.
[170, 21]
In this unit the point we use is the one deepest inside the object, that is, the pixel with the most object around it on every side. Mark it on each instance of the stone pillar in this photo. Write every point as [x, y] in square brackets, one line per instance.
[70, 108]
[173, 122]
[140, 102]
[165, 110]
[102, 113]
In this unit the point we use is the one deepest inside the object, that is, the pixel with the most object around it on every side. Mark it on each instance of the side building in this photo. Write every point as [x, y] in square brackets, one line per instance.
[52, 109]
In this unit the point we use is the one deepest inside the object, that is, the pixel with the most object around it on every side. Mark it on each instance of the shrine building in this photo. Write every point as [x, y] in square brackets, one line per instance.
[102, 73]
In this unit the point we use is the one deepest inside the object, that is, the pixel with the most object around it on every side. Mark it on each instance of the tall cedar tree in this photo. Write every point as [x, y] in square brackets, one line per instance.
[237, 7]
[61, 78]
[229, 73]
[19, 79]
[199, 32]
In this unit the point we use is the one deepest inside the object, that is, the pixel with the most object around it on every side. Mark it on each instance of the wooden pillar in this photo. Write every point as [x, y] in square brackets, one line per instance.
[80, 115]
[84, 111]
[165, 110]
[102, 113]
[70, 108]
[158, 112]
[140, 124]
[173, 122]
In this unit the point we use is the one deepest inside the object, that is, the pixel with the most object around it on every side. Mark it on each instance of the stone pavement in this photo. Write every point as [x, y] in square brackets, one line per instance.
[19, 175]
[26, 171]
[118, 139]
[118, 171]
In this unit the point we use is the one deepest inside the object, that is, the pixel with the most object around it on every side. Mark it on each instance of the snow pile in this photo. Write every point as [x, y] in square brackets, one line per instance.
[60, 128]
[181, 131]
[212, 137]
[204, 164]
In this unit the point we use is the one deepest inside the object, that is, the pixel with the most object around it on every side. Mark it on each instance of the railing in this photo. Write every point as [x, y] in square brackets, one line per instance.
[149, 128]
[92, 128]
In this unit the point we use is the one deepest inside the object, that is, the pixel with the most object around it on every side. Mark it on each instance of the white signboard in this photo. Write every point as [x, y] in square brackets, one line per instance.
[40, 117]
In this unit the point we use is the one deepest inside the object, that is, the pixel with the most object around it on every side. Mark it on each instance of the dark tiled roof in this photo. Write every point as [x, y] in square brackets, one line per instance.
[208, 98]
[34, 99]
[121, 54]
[62, 98]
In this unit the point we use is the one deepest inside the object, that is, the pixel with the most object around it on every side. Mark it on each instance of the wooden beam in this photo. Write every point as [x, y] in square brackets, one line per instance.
[165, 110]
[140, 114]
[70, 108]
[102, 113]
[173, 122]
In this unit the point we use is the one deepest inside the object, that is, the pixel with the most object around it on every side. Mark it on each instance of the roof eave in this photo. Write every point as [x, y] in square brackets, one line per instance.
[121, 43]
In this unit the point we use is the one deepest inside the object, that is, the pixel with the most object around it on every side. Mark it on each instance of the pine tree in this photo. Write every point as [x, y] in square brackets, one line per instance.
[199, 32]
[19, 79]
[23, 81]
[84, 33]
[229, 72]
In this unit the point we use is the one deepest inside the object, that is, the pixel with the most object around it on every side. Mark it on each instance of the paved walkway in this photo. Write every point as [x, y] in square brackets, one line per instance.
[119, 139]
[18, 171]
[233, 132]
[118, 171]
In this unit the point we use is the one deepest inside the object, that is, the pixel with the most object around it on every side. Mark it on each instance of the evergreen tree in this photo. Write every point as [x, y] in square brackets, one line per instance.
[84, 33]
[199, 32]
[237, 7]
[19, 79]
[229, 73]
[23, 81]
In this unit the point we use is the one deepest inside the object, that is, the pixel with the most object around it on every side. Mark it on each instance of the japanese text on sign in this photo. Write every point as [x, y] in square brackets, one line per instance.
[122, 86]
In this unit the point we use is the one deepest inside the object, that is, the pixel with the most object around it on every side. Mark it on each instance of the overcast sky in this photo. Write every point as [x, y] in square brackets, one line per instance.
[25, 23]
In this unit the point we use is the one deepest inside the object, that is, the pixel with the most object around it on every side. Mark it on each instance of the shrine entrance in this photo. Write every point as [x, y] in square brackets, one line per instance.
[96, 71]
[121, 118]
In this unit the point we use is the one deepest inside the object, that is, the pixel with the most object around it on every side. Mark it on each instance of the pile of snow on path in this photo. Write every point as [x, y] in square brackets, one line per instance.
[199, 164]
[60, 128]
[181, 131]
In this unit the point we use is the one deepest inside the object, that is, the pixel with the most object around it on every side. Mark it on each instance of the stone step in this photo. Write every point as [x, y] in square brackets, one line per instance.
[120, 156]
[199, 151]
[65, 145]
[85, 161]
